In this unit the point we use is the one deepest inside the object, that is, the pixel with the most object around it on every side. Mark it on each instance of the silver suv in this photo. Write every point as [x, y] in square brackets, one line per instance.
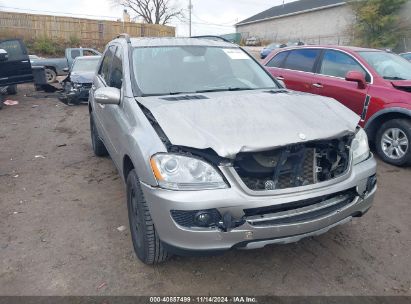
[216, 154]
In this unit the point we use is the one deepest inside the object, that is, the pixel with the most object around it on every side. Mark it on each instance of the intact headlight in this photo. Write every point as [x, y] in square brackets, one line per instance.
[177, 172]
[359, 147]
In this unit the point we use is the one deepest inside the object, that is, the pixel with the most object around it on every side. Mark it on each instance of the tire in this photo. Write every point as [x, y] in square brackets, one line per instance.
[12, 90]
[393, 142]
[147, 245]
[1, 102]
[51, 75]
[99, 148]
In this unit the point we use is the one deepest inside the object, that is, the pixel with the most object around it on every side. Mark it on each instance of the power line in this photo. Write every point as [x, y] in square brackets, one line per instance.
[207, 22]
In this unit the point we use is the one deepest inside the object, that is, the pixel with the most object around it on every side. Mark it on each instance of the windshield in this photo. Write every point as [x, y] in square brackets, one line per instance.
[389, 66]
[195, 69]
[89, 65]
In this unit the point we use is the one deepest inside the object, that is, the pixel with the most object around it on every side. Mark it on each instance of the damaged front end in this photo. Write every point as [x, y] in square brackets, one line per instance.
[225, 183]
[294, 165]
[75, 93]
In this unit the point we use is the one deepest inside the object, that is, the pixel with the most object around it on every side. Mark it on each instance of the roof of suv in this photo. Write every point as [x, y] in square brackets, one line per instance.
[337, 47]
[172, 41]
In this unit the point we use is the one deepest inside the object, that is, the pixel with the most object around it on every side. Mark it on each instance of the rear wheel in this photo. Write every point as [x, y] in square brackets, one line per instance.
[147, 244]
[12, 90]
[98, 146]
[393, 142]
[51, 75]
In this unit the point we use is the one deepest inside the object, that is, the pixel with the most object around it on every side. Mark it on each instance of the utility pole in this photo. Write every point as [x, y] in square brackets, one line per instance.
[190, 8]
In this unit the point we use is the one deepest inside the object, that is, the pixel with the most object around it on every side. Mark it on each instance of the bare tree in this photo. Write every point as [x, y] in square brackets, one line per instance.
[152, 11]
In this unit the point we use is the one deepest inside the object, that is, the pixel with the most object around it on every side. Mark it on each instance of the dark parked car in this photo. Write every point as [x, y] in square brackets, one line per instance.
[15, 65]
[406, 56]
[375, 84]
[80, 78]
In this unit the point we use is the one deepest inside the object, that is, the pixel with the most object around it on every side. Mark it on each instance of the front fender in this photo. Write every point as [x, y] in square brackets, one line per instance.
[141, 142]
[400, 108]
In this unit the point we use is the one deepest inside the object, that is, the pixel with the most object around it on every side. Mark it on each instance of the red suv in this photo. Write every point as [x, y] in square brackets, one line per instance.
[375, 84]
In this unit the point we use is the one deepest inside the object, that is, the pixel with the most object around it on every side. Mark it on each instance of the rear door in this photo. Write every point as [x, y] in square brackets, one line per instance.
[17, 69]
[296, 68]
[330, 80]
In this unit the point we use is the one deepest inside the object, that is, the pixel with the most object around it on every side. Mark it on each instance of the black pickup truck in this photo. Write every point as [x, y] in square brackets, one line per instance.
[15, 66]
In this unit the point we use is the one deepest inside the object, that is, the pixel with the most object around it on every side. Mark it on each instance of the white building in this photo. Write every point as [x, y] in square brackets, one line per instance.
[310, 21]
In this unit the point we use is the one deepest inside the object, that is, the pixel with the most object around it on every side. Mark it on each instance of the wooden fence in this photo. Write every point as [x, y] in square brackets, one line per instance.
[86, 31]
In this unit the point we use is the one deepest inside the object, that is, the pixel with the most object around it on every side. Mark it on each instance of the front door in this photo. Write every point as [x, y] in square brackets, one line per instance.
[330, 80]
[17, 68]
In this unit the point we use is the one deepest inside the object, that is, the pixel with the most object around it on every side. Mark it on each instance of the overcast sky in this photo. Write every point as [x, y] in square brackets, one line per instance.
[209, 16]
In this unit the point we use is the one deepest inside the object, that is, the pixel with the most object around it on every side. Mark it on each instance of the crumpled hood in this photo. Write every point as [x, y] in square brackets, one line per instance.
[235, 122]
[84, 77]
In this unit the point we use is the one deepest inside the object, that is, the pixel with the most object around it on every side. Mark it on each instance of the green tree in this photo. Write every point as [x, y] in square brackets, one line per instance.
[378, 23]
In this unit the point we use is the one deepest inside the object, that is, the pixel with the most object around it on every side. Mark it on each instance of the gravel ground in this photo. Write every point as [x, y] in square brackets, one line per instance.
[60, 212]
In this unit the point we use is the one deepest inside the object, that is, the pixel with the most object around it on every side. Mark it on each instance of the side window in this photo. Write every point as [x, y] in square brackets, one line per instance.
[89, 53]
[338, 64]
[13, 48]
[302, 60]
[116, 78]
[75, 54]
[277, 60]
[104, 70]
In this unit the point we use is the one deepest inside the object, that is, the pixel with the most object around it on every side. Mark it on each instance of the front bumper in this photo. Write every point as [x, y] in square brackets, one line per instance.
[234, 200]
[79, 94]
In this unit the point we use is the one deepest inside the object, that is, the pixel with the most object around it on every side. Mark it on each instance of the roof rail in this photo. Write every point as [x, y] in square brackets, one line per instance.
[212, 37]
[125, 36]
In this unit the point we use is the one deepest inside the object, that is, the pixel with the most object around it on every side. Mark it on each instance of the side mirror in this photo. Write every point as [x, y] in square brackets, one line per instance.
[4, 56]
[66, 70]
[282, 83]
[358, 77]
[107, 96]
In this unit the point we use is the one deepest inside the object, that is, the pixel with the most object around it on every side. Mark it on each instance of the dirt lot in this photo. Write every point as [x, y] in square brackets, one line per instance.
[60, 213]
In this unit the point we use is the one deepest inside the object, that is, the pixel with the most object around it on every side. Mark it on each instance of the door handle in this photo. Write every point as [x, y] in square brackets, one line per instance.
[318, 85]
[25, 61]
[280, 78]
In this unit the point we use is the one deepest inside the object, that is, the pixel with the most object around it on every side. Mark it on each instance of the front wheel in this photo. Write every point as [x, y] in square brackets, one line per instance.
[147, 244]
[12, 90]
[393, 142]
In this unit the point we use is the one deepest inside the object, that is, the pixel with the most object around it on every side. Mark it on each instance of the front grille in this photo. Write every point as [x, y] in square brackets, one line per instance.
[294, 165]
[299, 211]
[86, 85]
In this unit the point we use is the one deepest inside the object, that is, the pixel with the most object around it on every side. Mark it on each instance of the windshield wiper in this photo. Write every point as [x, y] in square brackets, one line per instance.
[224, 90]
[393, 78]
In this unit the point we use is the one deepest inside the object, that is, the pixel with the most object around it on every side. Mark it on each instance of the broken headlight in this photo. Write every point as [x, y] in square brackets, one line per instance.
[177, 172]
[77, 85]
[359, 147]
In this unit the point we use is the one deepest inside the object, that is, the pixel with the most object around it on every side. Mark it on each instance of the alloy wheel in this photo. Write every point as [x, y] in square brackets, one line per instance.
[394, 143]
